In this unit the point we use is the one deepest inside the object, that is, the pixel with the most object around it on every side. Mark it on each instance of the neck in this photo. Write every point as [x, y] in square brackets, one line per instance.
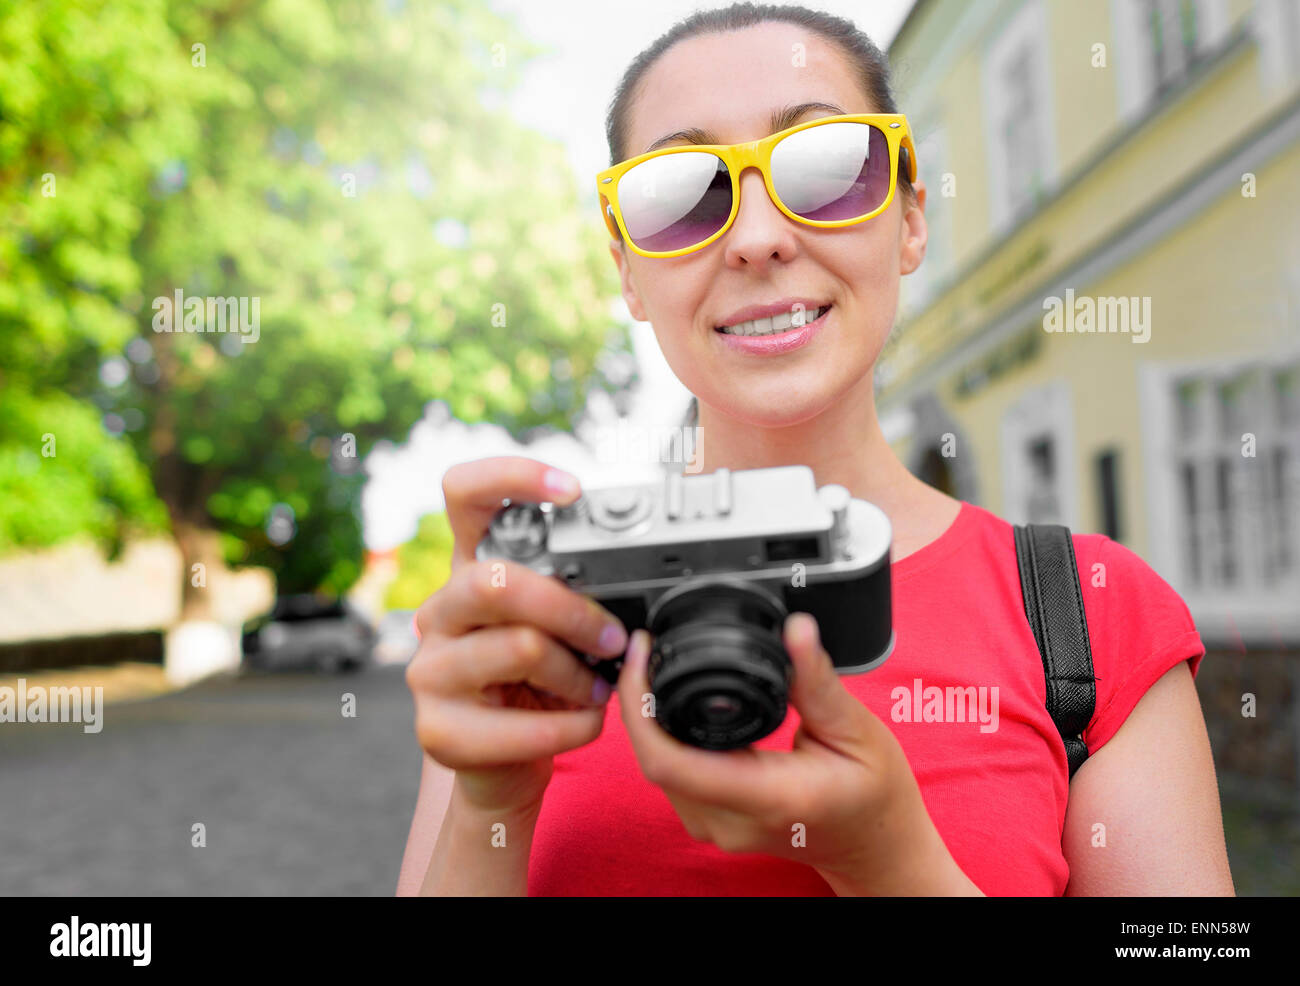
[843, 444]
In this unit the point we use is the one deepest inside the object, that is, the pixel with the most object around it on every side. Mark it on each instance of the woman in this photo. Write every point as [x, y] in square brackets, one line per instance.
[559, 789]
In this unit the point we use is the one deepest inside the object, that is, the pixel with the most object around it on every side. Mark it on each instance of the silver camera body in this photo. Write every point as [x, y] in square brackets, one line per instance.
[711, 565]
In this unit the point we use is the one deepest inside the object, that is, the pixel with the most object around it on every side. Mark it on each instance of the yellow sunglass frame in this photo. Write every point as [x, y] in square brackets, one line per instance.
[756, 154]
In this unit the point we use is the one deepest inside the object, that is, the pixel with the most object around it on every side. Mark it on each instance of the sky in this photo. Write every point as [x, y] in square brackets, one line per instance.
[564, 94]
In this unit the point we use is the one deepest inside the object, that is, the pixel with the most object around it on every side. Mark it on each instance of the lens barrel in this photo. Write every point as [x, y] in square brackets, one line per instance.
[719, 671]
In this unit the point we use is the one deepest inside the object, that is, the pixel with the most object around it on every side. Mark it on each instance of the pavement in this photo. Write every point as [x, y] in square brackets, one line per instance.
[123, 682]
[294, 797]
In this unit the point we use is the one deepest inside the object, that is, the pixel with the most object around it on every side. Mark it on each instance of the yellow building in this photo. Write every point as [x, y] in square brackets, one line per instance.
[1105, 332]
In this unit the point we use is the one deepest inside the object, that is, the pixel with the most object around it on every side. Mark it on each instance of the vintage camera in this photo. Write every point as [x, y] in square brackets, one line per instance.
[711, 565]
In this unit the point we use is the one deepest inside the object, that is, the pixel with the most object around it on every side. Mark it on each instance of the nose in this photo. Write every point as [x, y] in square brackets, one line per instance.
[761, 233]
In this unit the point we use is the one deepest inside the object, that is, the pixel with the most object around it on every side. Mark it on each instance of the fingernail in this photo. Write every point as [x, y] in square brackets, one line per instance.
[639, 646]
[561, 484]
[613, 637]
[814, 631]
[601, 691]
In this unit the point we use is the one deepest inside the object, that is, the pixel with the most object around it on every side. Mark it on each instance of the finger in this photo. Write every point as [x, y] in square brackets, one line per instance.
[827, 710]
[464, 735]
[516, 653]
[474, 491]
[500, 591]
[709, 823]
[746, 781]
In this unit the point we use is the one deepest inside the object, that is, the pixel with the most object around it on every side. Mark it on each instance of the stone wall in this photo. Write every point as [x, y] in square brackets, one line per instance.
[71, 591]
[1262, 751]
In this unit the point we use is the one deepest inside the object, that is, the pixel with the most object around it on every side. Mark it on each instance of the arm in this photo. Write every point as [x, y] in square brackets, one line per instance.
[1154, 788]
[497, 692]
[445, 828]
[430, 809]
[928, 870]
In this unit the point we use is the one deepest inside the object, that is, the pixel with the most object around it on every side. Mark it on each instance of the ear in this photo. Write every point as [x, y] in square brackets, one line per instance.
[618, 251]
[914, 232]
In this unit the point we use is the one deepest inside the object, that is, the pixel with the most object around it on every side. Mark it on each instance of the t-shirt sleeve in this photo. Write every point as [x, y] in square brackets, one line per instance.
[1138, 627]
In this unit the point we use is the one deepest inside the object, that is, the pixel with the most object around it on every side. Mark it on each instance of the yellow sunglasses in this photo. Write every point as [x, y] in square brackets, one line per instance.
[833, 171]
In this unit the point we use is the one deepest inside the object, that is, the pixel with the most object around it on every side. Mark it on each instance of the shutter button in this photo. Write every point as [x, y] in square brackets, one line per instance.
[615, 510]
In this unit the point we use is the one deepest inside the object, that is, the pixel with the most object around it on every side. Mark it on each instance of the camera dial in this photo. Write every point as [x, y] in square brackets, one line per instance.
[519, 530]
[617, 510]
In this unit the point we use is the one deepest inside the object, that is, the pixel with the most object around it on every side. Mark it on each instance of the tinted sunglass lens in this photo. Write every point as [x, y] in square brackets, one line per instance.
[675, 201]
[832, 171]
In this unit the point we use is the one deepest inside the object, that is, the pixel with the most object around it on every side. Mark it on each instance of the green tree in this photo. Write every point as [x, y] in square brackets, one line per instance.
[423, 563]
[84, 122]
[339, 166]
[60, 474]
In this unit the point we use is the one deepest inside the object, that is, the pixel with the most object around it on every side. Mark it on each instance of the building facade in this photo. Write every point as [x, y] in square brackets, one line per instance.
[1105, 332]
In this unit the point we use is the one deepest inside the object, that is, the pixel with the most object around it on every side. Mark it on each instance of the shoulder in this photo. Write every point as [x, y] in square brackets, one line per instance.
[1128, 604]
[1138, 627]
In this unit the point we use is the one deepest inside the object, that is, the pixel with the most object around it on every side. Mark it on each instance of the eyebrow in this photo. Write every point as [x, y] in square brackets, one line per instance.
[781, 119]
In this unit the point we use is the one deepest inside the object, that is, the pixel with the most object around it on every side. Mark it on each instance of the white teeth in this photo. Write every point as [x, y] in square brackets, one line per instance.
[774, 324]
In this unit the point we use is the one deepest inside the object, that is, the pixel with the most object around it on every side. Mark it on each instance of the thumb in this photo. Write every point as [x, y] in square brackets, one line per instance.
[827, 710]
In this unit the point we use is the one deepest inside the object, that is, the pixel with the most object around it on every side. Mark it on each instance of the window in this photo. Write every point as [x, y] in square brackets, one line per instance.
[1281, 484]
[1277, 31]
[1158, 42]
[1038, 478]
[1043, 497]
[1107, 467]
[1290, 14]
[1018, 107]
[1018, 132]
[1237, 492]
[1170, 35]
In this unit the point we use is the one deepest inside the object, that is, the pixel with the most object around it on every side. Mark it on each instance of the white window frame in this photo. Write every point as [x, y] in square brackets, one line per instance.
[1026, 31]
[1136, 84]
[1048, 410]
[1223, 614]
[1276, 25]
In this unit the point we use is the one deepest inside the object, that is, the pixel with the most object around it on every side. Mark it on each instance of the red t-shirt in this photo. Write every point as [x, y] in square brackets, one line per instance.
[997, 795]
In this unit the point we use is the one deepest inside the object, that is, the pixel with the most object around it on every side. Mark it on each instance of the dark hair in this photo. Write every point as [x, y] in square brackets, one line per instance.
[872, 66]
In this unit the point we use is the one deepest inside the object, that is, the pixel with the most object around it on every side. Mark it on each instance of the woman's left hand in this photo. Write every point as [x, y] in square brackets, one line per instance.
[843, 800]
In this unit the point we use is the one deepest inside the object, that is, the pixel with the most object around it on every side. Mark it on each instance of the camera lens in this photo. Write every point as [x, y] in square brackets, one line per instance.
[720, 710]
[719, 671]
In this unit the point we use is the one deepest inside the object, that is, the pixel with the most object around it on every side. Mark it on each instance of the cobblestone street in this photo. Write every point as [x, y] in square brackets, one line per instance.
[296, 798]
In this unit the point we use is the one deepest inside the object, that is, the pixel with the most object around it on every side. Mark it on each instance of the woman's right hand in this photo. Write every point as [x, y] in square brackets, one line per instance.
[497, 692]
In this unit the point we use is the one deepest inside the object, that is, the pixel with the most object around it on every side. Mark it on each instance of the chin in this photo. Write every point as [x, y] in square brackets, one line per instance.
[782, 410]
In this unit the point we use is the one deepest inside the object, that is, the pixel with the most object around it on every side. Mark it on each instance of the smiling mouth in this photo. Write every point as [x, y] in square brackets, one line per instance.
[773, 325]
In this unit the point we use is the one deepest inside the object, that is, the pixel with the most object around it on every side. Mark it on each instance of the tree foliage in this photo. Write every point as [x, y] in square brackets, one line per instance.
[342, 165]
[423, 563]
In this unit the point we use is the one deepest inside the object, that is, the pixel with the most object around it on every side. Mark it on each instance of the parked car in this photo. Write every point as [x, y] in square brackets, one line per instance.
[309, 633]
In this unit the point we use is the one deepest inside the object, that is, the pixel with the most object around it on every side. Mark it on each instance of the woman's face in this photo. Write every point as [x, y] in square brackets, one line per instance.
[729, 85]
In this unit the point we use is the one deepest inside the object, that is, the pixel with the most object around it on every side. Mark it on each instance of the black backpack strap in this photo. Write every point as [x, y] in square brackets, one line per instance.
[1049, 581]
